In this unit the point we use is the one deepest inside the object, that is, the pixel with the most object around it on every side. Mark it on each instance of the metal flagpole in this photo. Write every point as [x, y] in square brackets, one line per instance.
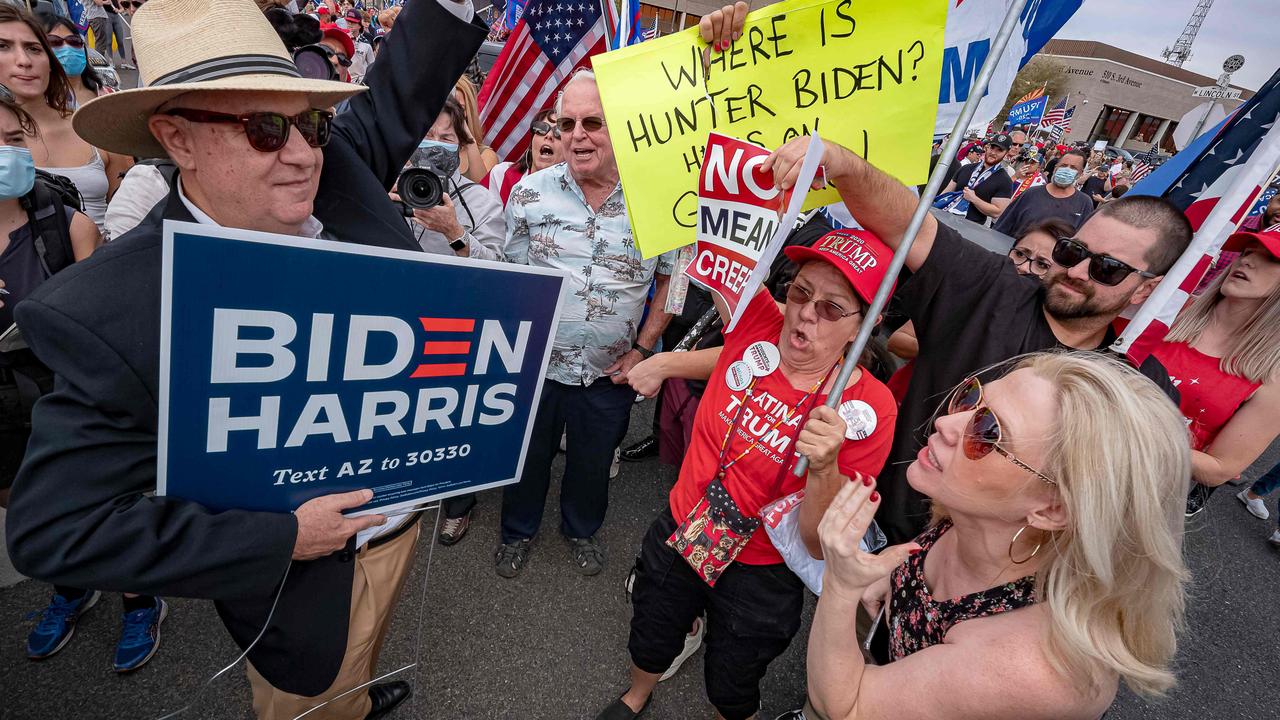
[949, 151]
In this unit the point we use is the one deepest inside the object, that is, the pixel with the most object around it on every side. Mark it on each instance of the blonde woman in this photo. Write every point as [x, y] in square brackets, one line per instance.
[1052, 572]
[477, 158]
[1224, 353]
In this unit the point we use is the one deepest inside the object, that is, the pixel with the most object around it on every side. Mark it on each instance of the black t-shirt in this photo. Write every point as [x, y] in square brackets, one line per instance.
[1094, 185]
[971, 310]
[997, 185]
[21, 270]
[1036, 204]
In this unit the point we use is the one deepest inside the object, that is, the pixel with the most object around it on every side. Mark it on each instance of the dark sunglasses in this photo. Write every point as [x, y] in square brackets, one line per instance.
[1037, 266]
[127, 4]
[268, 131]
[827, 310]
[541, 129]
[1103, 269]
[590, 124]
[75, 41]
[983, 433]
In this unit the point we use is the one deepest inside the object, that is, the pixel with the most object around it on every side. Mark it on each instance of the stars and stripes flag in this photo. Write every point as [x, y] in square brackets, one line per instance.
[1055, 115]
[1140, 170]
[552, 40]
[1215, 191]
[652, 32]
[1060, 129]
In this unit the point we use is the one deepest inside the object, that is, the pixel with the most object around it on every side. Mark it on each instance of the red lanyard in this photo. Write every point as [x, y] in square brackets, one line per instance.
[724, 445]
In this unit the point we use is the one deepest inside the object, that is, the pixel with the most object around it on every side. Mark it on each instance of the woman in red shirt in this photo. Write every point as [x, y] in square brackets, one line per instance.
[762, 407]
[1223, 354]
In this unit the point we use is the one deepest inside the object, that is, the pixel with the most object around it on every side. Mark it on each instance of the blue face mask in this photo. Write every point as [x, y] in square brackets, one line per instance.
[1064, 176]
[17, 172]
[73, 60]
[451, 147]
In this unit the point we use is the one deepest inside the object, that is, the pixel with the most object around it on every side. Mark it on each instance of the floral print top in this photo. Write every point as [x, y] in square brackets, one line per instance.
[917, 621]
[550, 224]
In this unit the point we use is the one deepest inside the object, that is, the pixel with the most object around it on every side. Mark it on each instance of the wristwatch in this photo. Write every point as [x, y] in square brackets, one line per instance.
[460, 243]
[645, 352]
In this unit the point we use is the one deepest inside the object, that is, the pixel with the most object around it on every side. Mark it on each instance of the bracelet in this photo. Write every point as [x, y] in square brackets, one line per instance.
[645, 352]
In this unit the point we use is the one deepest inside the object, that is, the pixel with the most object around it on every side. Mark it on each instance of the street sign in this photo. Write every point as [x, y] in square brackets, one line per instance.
[1216, 93]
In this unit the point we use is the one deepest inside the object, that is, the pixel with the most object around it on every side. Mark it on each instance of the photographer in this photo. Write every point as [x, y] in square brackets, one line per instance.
[468, 220]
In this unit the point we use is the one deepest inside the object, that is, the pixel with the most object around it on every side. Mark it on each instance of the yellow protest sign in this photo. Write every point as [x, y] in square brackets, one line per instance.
[865, 75]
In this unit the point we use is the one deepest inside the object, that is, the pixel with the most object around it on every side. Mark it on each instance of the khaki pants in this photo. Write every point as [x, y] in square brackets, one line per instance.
[379, 575]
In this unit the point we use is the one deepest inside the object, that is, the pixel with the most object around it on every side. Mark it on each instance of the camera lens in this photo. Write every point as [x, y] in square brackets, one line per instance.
[313, 64]
[420, 188]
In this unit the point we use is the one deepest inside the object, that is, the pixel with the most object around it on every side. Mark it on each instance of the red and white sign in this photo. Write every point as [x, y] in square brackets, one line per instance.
[738, 209]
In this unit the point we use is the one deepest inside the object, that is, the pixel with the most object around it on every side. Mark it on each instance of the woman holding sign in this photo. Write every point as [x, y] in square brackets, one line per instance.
[763, 404]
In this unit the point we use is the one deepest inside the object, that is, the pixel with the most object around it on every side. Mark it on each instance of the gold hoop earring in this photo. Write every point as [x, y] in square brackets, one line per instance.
[1014, 541]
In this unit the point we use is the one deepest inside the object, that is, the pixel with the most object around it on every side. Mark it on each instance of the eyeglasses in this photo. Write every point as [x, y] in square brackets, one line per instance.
[1103, 269]
[75, 41]
[590, 124]
[541, 129]
[983, 433]
[1037, 267]
[827, 310]
[268, 131]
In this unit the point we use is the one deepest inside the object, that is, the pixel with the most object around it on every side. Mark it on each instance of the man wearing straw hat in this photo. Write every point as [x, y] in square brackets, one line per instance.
[257, 148]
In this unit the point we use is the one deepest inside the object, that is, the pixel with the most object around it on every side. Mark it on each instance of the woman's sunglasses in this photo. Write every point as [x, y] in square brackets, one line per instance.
[983, 433]
[542, 129]
[1021, 257]
[590, 124]
[75, 41]
[268, 131]
[827, 310]
[1103, 269]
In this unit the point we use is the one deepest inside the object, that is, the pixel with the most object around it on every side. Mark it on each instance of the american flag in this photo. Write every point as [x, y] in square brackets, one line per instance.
[1060, 129]
[1140, 170]
[552, 40]
[652, 32]
[1054, 116]
[1246, 149]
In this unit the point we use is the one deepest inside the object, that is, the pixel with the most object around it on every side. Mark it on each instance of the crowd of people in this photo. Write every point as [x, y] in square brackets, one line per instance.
[1032, 486]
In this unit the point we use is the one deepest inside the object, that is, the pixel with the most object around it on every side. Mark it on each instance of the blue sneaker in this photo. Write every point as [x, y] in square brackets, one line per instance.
[57, 624]
[140, 636]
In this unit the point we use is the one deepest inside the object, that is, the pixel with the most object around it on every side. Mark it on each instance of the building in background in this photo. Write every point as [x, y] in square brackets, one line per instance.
[1131, 101]
[674, 15]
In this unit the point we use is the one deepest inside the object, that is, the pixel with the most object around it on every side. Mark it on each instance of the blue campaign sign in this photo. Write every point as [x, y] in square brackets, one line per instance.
[293, 368]
[1029, 112]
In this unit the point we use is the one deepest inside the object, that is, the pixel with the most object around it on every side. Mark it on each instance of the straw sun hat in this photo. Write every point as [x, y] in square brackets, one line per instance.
[184, 46]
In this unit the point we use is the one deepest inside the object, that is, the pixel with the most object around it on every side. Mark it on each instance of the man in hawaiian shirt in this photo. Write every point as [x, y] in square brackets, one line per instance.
[573, 217]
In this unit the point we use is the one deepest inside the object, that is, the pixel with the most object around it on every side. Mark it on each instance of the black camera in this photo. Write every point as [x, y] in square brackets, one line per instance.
[420, 189]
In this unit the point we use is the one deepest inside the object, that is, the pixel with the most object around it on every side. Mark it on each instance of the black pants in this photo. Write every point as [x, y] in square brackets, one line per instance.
[753, 612]
[594, 418]
[458, 505]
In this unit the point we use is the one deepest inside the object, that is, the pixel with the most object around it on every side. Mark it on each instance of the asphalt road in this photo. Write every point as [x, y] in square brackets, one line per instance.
[551, 644]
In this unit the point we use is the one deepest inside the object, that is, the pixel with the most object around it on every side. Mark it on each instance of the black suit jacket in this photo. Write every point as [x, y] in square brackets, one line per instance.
[78, 511]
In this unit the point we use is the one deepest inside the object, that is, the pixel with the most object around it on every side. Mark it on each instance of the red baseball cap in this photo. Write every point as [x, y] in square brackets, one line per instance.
[354, 14]
[322, 10]
[1269, 239]
[857, 254]
[333, 31]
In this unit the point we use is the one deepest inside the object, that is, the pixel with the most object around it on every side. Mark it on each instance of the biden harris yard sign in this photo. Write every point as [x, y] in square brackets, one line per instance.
[294, 368]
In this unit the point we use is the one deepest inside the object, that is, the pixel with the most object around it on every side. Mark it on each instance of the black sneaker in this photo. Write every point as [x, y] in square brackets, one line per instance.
[588, 556]
[646, 448]
[510, 558]
[1197, 498]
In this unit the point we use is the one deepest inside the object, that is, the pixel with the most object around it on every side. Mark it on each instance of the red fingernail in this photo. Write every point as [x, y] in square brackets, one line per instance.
[875, 496]
[915, 551]
[866, 481]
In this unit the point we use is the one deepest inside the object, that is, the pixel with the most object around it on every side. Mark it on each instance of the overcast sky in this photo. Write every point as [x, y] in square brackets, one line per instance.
[1247, 27]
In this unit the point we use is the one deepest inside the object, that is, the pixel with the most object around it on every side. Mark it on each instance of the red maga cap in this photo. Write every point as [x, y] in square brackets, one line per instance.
[1269, 239]
[857, 254]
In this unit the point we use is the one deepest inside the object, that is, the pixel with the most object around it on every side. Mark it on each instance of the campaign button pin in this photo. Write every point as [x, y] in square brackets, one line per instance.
[738, 376]
[859, 419]
[762, 357]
